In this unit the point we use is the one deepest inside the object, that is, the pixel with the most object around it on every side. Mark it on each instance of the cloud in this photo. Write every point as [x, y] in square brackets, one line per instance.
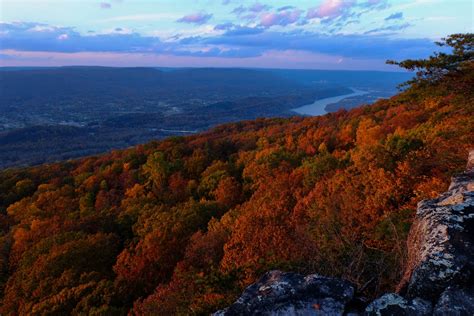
[42, 37]
[225, 40]
[6, 56]
[105, 5]
[63, 37]
[284, 59]
[195, 18]
[390, 28]
[287, 7]
[261, 14]
[351, 46]
[214, 51]
[21, 36]
[331, 9]
[375, 4]
[239, 10]
[224, 26]
[281, 17]
[253, 9]
[395, 16]
[232, 29]
[258, 7]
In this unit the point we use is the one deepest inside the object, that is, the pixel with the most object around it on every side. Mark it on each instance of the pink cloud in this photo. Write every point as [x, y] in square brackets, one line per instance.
[283, 18]
[196, 18]
[331, 9]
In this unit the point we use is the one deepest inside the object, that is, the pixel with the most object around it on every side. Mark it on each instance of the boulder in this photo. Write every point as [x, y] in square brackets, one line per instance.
[455, 302]
[285, 293]
[396, 305]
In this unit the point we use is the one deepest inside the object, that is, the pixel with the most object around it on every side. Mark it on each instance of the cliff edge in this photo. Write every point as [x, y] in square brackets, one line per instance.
[438, 280]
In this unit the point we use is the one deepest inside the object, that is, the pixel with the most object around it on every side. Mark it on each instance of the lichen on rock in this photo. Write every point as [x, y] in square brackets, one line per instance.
[456, 302]
[394, 304]
[286, 293]
[441, 241]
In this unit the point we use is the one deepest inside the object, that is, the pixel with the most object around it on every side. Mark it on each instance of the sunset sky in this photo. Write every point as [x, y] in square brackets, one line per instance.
[312, 34]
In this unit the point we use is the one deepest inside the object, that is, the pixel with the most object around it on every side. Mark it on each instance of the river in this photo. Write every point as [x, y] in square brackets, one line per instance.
[318, 107]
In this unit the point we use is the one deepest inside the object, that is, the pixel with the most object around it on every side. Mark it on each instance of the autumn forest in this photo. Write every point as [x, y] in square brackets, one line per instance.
[181, 226]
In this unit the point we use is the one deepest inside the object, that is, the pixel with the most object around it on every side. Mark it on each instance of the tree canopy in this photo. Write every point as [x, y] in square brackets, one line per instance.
[458, 59]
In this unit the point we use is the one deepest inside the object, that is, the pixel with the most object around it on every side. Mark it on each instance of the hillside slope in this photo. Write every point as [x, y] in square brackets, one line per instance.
[181, 226]
[438, 279]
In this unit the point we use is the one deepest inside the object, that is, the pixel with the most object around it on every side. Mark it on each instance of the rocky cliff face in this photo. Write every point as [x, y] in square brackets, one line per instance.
[439, 279]
[441, 241]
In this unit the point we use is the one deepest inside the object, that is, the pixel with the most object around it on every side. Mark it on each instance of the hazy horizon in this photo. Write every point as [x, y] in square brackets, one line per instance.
[392, 70]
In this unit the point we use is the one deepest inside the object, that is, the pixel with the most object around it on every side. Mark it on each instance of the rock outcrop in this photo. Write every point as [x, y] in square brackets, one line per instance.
[439, 279]
[394, 304]
[455, 302]
[286, 293]
[441, 241]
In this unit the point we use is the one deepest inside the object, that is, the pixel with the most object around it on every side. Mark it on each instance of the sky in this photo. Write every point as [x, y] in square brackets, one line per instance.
[302, 34]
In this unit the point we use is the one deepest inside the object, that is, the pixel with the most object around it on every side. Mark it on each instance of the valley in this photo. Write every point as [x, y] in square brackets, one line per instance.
[56, 114]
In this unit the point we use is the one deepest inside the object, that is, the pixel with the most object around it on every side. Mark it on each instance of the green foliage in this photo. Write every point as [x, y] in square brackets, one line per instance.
[211, 177]
[157, 169]
[319, 166]
[439, 65]
[181, 226]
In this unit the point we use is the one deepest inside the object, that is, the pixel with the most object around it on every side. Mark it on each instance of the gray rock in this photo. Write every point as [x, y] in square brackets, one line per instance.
[394, 304]
[441, 241]
[281, 293]
[455, 302]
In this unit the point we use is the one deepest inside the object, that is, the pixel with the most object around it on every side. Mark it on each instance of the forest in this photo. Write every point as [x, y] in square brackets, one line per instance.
[180, 226]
